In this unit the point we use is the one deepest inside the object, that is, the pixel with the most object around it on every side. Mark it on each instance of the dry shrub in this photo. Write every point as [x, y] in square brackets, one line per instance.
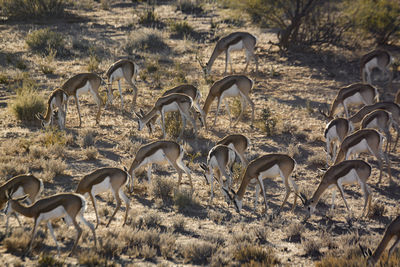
[17, 242]
[181, 29]
[352, 258]
[52, 168]
[52, 136]
[216, 216]
[178, 224]
[25, 9]
[87, 138]
[11, 169]
[47, 260]
[161, 187]
[27, 104]
[199, 252]
[149, 18]
[146, 40]
[90, 153]
[46, 41]
[167, 243]
[311, 247]
[189, 6]
[377, 211]
[252, 254]
[316, 161]
[222, 257]
[150, 220]
[173, 124]
[91, 259]
[111, 245]
[294, 231]
[183, 200]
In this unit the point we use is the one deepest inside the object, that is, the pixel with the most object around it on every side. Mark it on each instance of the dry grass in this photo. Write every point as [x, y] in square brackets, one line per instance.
[146, 40]
[27, 104]
[198, 253]
[255, 255]
[90, 153]
[46, 41]
[87, 138]
[162, 187]
[47, 260]
[17, 242]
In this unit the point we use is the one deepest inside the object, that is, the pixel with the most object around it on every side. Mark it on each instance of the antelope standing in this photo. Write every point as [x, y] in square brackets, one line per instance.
[346, 172]
[364, 140]
[123, 68]
[189, 90]
[230, 86]
[84, 83]
[172, 102]
[392, 230]
[219, 159]
[391, 107]
[238, 143]
[380, 59]
[354, 94]
[20, 185]
[68, 206]
[160, 152]
[267, 166]
[335, 132]
[380, 120]
[57, 100]
[397, 97]
[102, 180]
[233, 42]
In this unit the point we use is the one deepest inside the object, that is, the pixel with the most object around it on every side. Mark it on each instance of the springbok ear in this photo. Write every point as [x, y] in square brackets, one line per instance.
[39, 116]
[137, 115]
[203, 166]
[125, 169]
[365, 252]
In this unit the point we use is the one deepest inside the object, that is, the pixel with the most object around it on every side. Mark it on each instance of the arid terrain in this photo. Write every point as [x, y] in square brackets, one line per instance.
[179, 228]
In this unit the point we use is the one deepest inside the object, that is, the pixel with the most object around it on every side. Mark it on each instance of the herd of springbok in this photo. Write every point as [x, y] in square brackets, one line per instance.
[343, 143]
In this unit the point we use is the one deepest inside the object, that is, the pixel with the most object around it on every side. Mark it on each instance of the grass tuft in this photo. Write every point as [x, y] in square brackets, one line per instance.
[28, 9]
[27, 104]
[162, 187]
[44, 41]
[198, 252]
[255, 254]
[146, 40]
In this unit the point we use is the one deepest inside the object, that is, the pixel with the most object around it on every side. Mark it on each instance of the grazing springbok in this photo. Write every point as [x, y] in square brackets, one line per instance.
[21, 185]
[102, 180]
[346, 172]
[390, 107]
[364, 140]
[80, 84]
[354, 94]
[238, 143]
[392, 230]
[233, 42]
[160, 152]
[123, 68]
[220, 158]
[189, 90]
[57, 100]
[380, 59]
[380, 120]
[230, 86]
[267, 166]
[335, 132]
[172, 102]
[68, 206]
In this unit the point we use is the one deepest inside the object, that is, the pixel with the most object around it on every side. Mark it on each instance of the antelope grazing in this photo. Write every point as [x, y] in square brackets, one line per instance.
[68, 206]
[346, 172]
[102, 180]
[335, 132]
[238, 143]
[267, 166]
[233, 42]
[230, 86]
[20, 185]
[57, 100]
[392, 230]
[123, 68]
[219, 159]
[354, 94]
[80, 84]
[380, 59]
[380, 120]
[390, 107]
[160, 152]
[189, 90]
[172, 102]
[364, 140]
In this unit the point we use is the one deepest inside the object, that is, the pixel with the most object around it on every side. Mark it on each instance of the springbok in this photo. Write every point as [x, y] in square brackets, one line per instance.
[160, 152]
[189, 90]
[378, 58]
[220, 158]
[172, 102]
[354, 94]
[335, 132]
[230, 86]
[238, 143]
[390, 107]
[84, 83]
[380, 120]
[233, 42]
[123, 68]
[267, 166]
[21, 185]
[346, 172]
[364, 140]
[392, 230]
[56, 100]
[68, 206]
[102, 180]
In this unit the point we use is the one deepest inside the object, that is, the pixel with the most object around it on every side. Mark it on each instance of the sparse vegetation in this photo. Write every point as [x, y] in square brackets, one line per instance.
[146, 40]
[45, 41]
[32, 9]
[27, 103]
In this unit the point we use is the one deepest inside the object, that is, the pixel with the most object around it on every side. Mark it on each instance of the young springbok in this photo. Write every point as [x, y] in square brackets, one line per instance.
[102, 180]
[57, 100]
[378, 58]
[335, 132]
[238, 143]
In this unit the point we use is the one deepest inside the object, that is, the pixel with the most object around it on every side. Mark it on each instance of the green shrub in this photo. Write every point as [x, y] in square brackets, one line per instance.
[27, 104]
[26, 9]
[146, 40]
[44, 41]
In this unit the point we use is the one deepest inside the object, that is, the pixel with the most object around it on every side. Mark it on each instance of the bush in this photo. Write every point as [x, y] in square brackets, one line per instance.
[173, 124]
[26, 9]
[183, 200]
[189, 6]
[255, 254]
[149, 18]
[269, 122]
[198, 252]
[182, 29]
[47, 260]
[146, 40]
[161, 187]
[45, 41]
[17, 242]
[27, 104]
